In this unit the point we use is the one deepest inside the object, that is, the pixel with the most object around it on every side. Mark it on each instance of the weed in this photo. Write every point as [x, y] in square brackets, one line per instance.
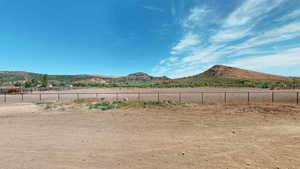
[107, 105]
[40, 103]
[85, 101]
[160, 103]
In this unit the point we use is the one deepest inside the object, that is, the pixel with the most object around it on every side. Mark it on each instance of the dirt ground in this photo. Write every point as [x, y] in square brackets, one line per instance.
[189, 136]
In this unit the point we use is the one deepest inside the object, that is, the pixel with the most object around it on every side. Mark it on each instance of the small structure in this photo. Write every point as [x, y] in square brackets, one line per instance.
[264, 86]
[125, 99]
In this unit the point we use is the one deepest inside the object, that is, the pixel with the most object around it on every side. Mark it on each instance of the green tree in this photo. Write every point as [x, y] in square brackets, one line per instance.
[17, 84]
[28, 84]
[45, 81]
[34, 83]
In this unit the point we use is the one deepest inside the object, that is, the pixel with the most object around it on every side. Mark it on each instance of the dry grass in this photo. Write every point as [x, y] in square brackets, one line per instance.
[92, 103]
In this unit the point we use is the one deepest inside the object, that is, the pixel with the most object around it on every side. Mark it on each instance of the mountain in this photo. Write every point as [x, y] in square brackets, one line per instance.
[10, 77]
[220, 73]
[217, 73]
[138, 78]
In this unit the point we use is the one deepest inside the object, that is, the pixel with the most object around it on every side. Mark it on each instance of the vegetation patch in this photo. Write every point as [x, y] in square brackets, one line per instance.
[119, 104]
[275, 109]
[107, 105]
[48, 105]
[161, 103]
[86, 101]
[102, 105]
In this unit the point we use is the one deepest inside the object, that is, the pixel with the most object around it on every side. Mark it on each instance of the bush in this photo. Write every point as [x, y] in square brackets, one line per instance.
[166, 102]
[151, 103]
[107, 105]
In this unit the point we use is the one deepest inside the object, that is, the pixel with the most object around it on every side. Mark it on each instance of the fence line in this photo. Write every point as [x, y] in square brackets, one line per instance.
[203, 97]
[36, 89]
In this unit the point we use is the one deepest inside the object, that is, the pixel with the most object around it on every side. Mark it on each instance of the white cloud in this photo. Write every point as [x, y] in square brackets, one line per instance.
[291, 28]
[251, 10]
[189, 40]
[152, 8]
[285, 59]
[292, 15]
[194, 53]
[202, 56]
[173, 59]
[230, 34]
[240, 22]
[195, 18]
[162, 61]
[186, 71]
[283, 33]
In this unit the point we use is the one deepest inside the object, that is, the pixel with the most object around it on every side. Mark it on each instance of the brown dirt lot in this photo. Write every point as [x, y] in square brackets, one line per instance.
[184, 137]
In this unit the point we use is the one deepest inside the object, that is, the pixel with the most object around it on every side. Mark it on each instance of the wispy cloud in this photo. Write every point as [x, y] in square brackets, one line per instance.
[284, 59]
[231, 34]
[173, 8]
[240, 37]
[286, 32]
[152, 8]
[204, 55]
[251, 10]
[189, 41]
[294, 14]
[195, 18]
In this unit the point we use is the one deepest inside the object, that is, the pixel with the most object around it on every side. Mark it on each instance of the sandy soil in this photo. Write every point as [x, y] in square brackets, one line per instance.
[185, 137]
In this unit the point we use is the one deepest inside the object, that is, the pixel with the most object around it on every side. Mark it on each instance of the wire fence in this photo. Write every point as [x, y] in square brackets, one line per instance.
[197, 97]
[36, 89]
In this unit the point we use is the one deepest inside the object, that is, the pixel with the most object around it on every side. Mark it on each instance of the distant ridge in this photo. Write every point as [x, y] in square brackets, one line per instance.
[217, 73]
[227, 73]
[10, 77]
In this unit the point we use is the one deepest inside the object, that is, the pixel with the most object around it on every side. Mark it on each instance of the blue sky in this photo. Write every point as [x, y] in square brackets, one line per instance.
[175, 38]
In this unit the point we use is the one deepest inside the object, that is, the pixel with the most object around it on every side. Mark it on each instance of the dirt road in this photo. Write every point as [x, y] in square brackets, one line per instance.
[186, 137]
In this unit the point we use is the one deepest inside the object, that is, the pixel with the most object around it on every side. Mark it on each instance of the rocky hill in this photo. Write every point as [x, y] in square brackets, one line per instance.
[217, 73]
[226, 73]
[10, 77]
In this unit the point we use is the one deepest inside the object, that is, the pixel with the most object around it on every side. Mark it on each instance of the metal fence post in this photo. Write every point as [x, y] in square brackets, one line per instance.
[58, 97]
[40, 97]
[4, 97]
[179, 97]
[248, 97]
[158, 99]
[272, 97]
[139, 96]
[297, 97]
[202, 97]
[225, 97]
[22, 97]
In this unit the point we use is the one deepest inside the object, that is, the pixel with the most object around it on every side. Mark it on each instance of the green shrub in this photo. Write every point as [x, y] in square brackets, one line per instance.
[107, 105]
[160, 103]
[151, 103]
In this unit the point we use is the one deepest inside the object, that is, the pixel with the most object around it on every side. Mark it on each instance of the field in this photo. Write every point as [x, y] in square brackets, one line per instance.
[187, 136]
[197, 95]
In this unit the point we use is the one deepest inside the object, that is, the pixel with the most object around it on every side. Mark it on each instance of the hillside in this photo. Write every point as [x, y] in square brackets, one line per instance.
[8, 78]
[220, 73]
